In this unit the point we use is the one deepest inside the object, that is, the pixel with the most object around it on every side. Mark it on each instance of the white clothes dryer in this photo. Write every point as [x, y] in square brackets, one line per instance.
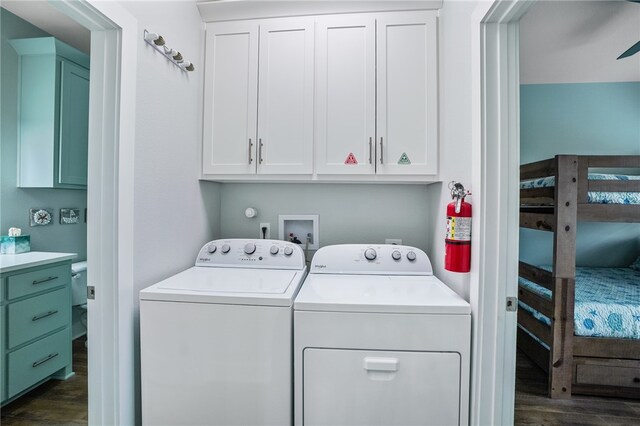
[216, 339]
[379, 340]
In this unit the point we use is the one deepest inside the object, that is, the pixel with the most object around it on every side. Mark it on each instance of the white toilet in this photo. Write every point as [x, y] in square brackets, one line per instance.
[79, 299]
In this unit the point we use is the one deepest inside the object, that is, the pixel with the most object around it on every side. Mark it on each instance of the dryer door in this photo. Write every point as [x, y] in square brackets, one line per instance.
[358, 387]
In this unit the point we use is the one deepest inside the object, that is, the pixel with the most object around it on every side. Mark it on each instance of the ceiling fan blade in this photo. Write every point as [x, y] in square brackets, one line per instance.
[631, 51]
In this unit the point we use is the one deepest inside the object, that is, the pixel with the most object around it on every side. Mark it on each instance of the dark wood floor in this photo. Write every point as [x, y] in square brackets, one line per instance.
[65, 402]
[534, 408]
[56, 402]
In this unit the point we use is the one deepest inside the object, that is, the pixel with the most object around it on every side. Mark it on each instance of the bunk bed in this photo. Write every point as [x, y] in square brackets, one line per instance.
[601, 360]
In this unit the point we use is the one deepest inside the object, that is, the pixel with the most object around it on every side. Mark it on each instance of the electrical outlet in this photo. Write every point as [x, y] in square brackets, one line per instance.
[266, 235]
[395, 241]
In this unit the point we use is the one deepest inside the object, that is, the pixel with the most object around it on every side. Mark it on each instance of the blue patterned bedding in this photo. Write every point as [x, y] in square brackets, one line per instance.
[607, 302]
[594, 197]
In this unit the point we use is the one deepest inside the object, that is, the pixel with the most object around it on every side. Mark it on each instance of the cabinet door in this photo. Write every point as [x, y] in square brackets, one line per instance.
[230, 98]
[345, 95]
[407, 86]
[74, 125]
[285, 97]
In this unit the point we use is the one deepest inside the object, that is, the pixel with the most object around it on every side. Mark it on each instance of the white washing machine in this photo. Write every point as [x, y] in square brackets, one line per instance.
[379, 340]
[216, 339]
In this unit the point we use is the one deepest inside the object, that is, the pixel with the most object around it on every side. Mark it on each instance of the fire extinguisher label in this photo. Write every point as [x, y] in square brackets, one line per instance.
[458, 228]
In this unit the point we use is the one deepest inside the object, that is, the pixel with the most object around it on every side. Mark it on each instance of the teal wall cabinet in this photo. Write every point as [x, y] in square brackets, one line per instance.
[35, 304]
[53, 114]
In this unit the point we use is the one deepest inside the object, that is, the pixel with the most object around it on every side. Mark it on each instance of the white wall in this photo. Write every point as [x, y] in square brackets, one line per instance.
[348, 213]
[175, 214]
[579, 41]
[455, 130]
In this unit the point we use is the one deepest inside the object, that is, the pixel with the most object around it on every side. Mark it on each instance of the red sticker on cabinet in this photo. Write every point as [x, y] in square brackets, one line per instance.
[351, 159]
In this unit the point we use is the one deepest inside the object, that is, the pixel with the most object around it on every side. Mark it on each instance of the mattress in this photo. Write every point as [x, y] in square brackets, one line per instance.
[593, 197]
[607, 302]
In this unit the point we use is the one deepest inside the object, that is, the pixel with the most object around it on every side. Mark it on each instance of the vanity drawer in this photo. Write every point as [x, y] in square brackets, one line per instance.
[35, 281]
[37, 361]
[33, 317]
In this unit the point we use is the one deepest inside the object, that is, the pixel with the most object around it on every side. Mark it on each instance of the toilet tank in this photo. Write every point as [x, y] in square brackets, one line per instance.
[79, 283]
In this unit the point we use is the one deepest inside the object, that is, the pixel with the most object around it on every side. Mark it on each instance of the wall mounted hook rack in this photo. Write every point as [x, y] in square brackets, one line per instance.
[158, 42]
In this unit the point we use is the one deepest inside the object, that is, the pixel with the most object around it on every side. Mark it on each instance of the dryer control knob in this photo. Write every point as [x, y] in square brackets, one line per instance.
[274, 250]
[396, 255]
[370, 254]
[211, 248]
[249, 248]
[288, 251]
[411, 256]
[226, 248]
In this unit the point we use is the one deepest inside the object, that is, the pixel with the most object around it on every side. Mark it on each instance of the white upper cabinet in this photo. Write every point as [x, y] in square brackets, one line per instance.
[258, 108]
[407, 90]
[345, 95]
[285, 97]
[376, 94]
[230, 98]
[350, 97]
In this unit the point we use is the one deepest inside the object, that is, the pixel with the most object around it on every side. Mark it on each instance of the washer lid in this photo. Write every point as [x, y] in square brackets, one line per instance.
[229, 286]
[379, 294]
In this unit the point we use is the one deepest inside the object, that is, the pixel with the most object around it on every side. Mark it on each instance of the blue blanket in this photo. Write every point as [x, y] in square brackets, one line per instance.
[607, 302]
[594, 197]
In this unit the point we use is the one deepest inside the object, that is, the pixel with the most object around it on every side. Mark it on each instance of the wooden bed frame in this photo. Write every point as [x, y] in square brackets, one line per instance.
[579, 365]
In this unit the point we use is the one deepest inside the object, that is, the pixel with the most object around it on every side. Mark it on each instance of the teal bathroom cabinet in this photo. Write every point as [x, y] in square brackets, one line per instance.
[53, 111]
[35, 309]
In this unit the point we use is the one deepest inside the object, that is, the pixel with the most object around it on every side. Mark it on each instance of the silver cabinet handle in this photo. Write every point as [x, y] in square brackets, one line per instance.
[46, 280]
[41, 316]
[370, 144]
[250, 149]
[260, 151]
[45, 359]
[381, 157]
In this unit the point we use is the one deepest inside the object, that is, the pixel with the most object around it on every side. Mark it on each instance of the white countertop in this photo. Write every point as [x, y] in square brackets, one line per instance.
[12, 262]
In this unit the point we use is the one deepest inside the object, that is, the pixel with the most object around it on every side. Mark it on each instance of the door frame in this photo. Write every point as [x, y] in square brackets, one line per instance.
[495, 123]
[496, 171]
[110, 198]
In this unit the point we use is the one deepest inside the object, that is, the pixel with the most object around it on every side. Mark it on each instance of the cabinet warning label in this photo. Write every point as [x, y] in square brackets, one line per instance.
[351, 159]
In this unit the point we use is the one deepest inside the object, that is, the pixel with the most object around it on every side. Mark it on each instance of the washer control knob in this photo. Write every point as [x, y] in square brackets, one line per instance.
[226, 248]
[211, 248]
[411, 256]
[396, 255]
[370, 254]
[249, 248]
[288, 251]
[274, 250]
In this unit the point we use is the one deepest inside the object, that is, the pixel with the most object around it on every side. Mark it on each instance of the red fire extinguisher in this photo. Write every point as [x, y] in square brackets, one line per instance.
[457, 257]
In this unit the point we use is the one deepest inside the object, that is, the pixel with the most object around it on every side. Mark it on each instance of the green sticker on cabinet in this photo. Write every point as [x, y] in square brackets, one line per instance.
[404, 159]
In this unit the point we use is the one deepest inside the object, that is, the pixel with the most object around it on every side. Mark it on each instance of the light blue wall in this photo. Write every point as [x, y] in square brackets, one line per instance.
[581, 118]
[348, 213]
[15, 202]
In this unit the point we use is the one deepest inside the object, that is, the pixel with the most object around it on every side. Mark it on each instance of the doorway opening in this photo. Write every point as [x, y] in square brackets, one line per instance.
[110, 198]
